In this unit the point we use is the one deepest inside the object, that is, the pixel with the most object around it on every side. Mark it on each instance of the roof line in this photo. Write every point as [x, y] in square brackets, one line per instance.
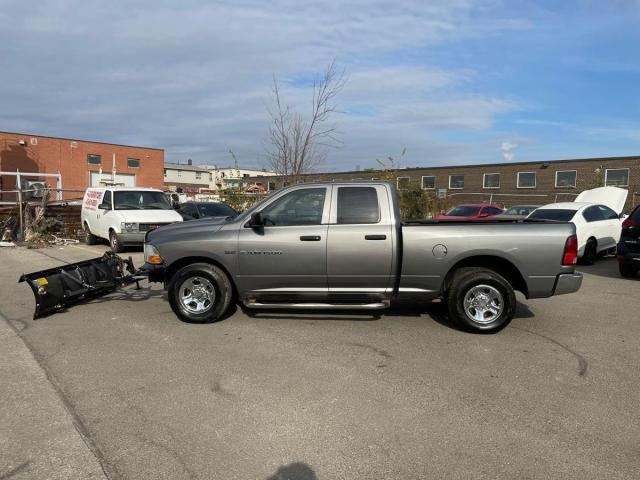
[470, 165]
[78, 140]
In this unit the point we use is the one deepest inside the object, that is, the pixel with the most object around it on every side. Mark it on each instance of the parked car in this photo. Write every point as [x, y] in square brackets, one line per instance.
[629, 245]
[321, 246]
[124, 215]
[195, 210]
[597, 216]
[471, 212]
[517, 212]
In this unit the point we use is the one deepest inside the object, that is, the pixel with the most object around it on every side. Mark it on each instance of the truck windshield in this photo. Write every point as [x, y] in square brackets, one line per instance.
[140, 200]
[557, 214]
[463, 211]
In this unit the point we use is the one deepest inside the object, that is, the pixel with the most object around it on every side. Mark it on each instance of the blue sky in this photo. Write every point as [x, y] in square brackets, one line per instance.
[453, 82]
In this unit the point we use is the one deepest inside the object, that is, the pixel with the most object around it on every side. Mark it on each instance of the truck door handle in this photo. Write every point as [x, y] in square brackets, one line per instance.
[375, 237]
[310, 238]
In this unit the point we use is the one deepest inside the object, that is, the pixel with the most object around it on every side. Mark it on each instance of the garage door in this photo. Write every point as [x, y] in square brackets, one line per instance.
[121, 179]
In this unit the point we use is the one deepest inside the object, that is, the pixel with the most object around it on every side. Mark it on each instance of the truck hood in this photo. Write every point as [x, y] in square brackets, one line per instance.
[208, 224]
[612, 197]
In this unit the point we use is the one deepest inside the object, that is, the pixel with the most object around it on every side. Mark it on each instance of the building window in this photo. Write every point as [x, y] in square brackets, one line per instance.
[616, 177]
[456, 181]
[402, 183]
[198, 175]
[165, 172]
[179, 173]
[428, 182]
[271, 186]
[491, 180]
[133, 163]
[93, 159]
[566, 178]
[526, 179]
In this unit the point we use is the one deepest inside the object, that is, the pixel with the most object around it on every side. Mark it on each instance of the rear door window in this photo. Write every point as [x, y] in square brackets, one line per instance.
[593, 214]
[357, 205]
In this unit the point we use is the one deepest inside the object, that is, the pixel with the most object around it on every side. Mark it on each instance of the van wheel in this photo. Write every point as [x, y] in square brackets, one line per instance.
[200, 293]
[590, 252]
[480, 300]
[89, 238]
[114, 241]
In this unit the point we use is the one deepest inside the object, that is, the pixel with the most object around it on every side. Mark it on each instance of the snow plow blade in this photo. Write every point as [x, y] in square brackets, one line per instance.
[60, 287]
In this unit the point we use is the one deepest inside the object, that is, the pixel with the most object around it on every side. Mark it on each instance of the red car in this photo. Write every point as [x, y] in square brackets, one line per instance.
[471, 211]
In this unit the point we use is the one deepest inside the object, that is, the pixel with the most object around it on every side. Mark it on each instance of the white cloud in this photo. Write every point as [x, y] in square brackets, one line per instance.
[194, 77]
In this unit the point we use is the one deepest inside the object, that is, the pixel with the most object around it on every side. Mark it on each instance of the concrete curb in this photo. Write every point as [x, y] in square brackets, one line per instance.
[41, 437]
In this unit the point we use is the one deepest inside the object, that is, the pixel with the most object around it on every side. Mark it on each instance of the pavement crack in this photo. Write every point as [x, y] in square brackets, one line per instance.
[379, 351]
[582, 361]
[8, 474]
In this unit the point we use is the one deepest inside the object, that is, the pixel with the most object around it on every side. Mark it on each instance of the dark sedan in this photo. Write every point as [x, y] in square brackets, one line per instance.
[195, 210]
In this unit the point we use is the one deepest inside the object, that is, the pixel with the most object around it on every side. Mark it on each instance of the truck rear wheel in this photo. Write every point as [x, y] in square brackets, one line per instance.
[480, 300]
[200, 293]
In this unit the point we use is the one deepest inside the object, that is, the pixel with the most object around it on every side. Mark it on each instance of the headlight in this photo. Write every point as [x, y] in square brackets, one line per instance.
[151, 254]
[129, 227]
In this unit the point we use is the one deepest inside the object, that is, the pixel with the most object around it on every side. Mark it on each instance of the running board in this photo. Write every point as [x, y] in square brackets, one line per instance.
[319, 306]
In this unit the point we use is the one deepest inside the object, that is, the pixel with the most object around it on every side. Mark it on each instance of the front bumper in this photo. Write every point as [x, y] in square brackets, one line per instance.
[568, 283]
[154, 271]
[132, 238]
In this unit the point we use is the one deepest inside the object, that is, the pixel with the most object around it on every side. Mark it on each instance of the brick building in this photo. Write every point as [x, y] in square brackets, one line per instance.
[537, 182]
[80, 163]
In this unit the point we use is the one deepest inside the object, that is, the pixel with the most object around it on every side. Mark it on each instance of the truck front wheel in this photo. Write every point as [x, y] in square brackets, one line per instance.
[481, 300]
[200, 293]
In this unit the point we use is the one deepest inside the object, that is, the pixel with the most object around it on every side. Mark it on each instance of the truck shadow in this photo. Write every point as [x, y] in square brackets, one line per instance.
[294, 471]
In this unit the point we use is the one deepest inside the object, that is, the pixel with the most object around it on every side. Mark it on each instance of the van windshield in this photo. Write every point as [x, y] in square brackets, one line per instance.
[140, 200]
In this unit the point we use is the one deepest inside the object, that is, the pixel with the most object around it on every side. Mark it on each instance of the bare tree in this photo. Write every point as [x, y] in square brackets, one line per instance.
[297, 144]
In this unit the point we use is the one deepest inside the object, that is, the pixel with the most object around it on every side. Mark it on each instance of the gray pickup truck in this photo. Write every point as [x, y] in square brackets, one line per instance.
[342, 246]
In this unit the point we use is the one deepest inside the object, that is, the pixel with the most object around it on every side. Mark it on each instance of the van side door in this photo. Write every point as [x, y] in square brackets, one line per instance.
[360, 242]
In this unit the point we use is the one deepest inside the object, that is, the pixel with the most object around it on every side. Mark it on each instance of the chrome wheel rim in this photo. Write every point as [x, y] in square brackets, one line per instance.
[114, 241]
[197, 295]
[483, 304]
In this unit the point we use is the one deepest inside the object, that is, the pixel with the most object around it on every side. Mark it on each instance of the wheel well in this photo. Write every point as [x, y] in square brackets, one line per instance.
[498, 264]
[183, 262]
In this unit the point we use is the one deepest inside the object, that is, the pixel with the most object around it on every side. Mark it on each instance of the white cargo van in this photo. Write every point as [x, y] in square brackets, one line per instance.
[124, 215]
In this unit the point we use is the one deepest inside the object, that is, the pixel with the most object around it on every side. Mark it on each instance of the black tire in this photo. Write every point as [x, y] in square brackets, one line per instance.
[115, 243]
[89, 238]
[484, 283]
[590, 252]
[627, 271]
[205, 272]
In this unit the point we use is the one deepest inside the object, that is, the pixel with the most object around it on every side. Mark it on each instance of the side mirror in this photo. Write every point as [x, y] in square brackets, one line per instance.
[483, 215]
[256, 220]
[176, 206]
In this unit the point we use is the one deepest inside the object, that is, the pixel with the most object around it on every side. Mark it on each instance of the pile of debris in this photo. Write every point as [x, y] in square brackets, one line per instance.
[43, 225]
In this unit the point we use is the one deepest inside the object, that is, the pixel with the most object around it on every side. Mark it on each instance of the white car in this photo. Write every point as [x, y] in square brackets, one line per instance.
[597, 215]
[123, 216]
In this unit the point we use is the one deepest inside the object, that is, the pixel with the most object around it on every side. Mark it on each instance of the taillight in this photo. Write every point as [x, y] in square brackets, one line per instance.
[630, 223]
[570, 255]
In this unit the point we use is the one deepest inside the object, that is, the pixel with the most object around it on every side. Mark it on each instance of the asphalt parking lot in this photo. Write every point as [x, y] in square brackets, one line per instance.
[314, 397]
